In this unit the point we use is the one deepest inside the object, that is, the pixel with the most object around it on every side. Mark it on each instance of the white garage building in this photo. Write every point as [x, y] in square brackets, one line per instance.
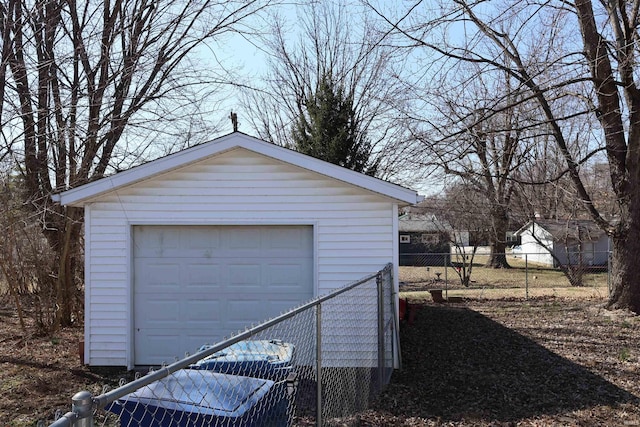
[191, 247]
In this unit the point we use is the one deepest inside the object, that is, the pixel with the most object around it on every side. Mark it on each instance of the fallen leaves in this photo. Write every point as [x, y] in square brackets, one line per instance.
[517, 363]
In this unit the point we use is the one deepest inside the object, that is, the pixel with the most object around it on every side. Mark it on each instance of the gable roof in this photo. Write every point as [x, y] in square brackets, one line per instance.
[79, 195]
[572, 229]
[423, 222]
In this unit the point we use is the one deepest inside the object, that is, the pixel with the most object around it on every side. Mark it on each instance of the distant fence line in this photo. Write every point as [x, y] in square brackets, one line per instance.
[526, 271]
[332, 356]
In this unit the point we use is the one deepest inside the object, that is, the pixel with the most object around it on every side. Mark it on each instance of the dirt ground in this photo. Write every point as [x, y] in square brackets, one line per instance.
[542, 362]
[546, 361]
[39, 374]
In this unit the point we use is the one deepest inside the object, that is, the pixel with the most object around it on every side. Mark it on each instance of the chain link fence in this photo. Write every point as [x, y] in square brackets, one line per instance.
[511, 274]
[319, 364]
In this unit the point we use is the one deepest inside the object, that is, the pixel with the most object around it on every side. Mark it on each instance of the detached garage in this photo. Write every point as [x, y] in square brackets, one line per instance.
[194, 246]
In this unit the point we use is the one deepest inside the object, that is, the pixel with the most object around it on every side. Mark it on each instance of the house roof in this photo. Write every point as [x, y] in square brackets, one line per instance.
[80, 195]
[572, 229]
[422, 222]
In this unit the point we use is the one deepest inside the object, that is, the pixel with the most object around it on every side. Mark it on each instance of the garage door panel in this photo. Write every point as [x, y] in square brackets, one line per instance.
[197, 310]
[169, 312]
[159, 277]
[245, 276]
[216, 281]
[157, 344]
[151, 242]
[246, 309]
[196, 340]
[159, 313]
[234, 327]
[202, 277]
[186, 274]
[286, 275]
[155, 347]
[197, 243]
[243, 238]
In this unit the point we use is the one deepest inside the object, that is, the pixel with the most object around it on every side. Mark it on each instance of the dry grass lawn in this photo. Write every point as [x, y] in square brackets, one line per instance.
[516, 276]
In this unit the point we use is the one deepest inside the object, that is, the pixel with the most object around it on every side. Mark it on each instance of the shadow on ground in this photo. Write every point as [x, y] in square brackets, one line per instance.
[460, 365]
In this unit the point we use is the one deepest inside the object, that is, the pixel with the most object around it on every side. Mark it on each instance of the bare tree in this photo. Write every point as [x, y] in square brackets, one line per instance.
[544, 189]
[536, 44]
[333, 38]
[76, 75]
[459, 217]
[26, 259]
[484, 138]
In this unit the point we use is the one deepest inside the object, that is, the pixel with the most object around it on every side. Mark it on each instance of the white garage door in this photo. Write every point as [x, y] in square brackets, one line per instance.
[197, 284]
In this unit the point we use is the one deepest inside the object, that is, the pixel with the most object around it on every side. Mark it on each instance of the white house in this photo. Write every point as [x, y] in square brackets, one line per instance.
[188, 248]
[573, 242]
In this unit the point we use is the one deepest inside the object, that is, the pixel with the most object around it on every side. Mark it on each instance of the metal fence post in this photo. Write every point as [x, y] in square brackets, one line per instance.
[319, 365]
[380, 330]
[81, 414]
[395, 339]
[82, 404]
[447, 262]
[526, 276]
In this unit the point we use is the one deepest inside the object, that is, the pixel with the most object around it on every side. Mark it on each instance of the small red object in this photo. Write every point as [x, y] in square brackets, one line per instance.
[403, 309]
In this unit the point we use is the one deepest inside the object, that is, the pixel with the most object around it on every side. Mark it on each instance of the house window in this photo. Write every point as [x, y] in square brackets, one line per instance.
[430, 238]
[404, 238]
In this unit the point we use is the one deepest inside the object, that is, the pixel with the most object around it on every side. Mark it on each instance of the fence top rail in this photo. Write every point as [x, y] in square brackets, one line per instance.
[104, 399]
[498, 253]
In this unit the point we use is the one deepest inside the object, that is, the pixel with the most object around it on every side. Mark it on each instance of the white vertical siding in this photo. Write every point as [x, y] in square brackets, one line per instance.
[354, 229]
[536, 252]
[87, 288]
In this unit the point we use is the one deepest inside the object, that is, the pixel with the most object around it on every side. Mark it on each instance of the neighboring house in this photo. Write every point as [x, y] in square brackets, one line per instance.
[573, 242]
[423, 239]
[192, 247]
[512, 239]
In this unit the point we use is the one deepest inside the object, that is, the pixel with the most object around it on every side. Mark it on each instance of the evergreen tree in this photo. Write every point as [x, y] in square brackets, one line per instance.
[327, 128]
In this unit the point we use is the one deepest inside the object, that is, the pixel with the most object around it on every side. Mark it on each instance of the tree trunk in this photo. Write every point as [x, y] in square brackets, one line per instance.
[625, 268]
[574, 274]
[497, 257]
[64, 241]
